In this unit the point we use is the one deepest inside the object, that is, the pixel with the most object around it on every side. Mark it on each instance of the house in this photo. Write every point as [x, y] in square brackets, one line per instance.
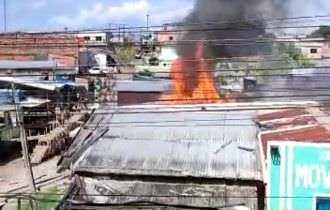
[94, 38]
[45, 97]
[311, 48]
[159, 157]
[168, 35]
[159, 60]
[140, 91]
[296, 145]
[8, 123]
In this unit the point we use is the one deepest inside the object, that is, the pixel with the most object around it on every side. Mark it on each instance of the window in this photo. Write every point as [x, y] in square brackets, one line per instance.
[323, 204]
[313, 51]
[98, 38]
[87, 38]
[171, 38]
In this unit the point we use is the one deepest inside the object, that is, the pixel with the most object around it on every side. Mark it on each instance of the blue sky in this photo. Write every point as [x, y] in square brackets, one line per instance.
[75, 14]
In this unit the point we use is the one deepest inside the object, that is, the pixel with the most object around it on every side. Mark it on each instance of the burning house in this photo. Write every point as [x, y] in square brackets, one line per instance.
[192, 81]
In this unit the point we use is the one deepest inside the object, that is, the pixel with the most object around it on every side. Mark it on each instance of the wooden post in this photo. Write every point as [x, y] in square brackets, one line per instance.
[24, 144]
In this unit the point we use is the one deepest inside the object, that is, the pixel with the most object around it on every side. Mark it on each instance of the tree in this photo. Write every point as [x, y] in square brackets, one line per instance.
[125, 53]
[323, 31]
[291, 56]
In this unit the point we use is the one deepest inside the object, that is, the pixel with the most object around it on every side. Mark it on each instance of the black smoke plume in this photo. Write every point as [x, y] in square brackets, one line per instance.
[230, 19]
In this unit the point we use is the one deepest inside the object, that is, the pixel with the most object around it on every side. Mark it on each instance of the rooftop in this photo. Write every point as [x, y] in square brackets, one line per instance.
[9, 64]
[143, 86]
[179, 144]
[299, 124]
[35, 83]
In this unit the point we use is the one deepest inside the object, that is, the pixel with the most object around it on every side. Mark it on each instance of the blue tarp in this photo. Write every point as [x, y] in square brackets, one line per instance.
[6, 96]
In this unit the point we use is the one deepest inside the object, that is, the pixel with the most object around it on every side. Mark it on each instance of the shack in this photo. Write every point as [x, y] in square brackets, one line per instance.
[140, 91]
[153, 157]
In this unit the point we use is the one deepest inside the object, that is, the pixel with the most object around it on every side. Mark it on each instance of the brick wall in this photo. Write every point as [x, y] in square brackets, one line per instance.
[27, 46]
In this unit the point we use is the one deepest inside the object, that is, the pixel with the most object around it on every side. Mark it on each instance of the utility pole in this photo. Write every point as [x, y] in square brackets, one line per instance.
[148, 16]
[25, 150]
[5, 15]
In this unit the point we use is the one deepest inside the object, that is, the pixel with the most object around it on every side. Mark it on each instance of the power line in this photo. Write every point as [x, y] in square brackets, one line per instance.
[248, 20]
[169, 98]
[326, 67]
[146, 195]
[37, 40]
[139, 28]
[174, 108]
[214, 42]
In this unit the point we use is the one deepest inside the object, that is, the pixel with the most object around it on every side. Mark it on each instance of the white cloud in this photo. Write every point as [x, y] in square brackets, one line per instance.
[133, 11]
[100, 13]
[37, 4]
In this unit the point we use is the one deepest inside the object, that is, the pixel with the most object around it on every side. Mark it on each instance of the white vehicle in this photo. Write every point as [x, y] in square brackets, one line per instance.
[101, 70]
[95, 70]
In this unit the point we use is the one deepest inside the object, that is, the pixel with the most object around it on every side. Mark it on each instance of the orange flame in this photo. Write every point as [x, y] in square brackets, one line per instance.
[192, 81]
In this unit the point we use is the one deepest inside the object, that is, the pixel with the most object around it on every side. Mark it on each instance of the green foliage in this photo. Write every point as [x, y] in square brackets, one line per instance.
[146, 73]
[290, 56]
[46, 202]
[125, 53]
[323, 31]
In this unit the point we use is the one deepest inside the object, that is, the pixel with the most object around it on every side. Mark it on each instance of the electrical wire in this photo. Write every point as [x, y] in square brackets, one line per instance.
[145, 196]
[195, 69]
[140, 29]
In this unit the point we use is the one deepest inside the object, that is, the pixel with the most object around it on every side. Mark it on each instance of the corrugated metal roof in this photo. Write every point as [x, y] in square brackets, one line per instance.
[35, 83]
[196, 144]
[143, 86]
[9, 64]
[301, 125]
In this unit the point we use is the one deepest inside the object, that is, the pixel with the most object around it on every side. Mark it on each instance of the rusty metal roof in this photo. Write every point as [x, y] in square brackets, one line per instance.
[300, 124]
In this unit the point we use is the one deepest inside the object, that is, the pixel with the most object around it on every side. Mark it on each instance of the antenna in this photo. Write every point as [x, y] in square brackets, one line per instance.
[148, 22]
[5, 15]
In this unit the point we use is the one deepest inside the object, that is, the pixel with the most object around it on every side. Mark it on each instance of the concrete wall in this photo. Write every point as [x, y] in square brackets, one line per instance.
[326, 49]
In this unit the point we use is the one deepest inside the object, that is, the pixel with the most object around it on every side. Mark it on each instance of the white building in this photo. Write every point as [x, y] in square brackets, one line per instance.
[312, 48]
[94, 38]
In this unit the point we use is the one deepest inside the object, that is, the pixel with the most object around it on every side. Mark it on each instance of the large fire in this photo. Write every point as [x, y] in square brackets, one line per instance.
[192, 81]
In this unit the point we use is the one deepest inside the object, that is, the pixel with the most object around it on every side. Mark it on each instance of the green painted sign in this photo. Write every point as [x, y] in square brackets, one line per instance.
[298, 176]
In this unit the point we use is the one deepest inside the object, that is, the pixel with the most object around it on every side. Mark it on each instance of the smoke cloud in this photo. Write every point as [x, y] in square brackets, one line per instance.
[240, 14]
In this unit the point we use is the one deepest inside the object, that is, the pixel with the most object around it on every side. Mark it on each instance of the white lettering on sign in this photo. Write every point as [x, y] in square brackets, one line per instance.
[312, 177]
[325, 156]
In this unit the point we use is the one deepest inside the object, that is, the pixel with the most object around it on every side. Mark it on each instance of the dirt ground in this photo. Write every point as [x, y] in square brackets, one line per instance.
[14, 178]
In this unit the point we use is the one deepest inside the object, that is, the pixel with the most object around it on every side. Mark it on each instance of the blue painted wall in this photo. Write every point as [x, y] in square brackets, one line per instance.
[298, 176]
